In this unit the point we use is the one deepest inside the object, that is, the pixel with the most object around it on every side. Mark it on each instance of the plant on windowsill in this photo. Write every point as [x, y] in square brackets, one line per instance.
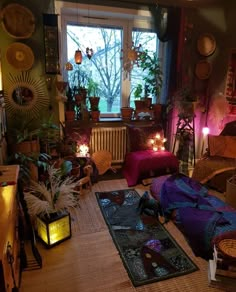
[127, 111]
[153, 80]
[93, 93]
[95, 113]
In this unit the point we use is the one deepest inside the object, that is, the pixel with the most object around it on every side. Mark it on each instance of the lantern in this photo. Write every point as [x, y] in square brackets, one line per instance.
[54, 229]
[78, 57]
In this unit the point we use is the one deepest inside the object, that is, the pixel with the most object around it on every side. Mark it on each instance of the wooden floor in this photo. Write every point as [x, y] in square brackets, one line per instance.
[90, 262]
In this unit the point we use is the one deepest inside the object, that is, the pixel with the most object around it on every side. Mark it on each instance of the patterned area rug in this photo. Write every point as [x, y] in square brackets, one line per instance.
[148, 251]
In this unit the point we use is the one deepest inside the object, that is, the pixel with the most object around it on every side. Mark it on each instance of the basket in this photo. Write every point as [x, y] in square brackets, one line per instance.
[102, 160]
[228, 247]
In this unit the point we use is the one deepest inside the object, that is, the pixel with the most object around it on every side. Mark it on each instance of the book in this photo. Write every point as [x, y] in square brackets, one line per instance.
[219, 281]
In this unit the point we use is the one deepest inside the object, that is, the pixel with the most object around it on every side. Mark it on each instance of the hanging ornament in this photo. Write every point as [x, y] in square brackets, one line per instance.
[68, 66]
[89, 52]
[133, 58]
[78, 57]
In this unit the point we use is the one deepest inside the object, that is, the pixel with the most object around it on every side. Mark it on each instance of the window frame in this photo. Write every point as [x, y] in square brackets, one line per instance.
[127, 19]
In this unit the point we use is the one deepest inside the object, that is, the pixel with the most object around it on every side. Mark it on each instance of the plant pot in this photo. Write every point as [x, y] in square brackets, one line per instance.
[139, 104]
[126, 113]
[70, 115]
[148, 102]
[27, 147]
[95, 115]
[94, 102]
[157, 112]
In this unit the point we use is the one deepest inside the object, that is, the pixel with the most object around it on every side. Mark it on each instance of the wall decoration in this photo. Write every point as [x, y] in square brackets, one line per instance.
[206, 44]
[18, 21]
[25, 95]
[203, 69]
[50, 22]
[20, 56]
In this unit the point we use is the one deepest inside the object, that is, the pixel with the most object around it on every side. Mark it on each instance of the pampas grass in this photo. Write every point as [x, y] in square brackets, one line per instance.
[53, 196]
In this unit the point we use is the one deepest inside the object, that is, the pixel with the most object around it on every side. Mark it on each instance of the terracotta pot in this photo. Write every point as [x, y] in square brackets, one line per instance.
[139, 104]
[70, 115]
[95, 115]
[27, 147]
[148, 102]
[126, 113]
[94, 102]
[157, 112]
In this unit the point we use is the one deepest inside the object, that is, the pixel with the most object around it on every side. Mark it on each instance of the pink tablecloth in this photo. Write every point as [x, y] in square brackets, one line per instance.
[141, 164]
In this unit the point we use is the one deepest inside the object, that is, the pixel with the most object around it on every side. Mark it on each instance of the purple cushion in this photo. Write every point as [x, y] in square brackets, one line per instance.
[140, 137]
[140, 163]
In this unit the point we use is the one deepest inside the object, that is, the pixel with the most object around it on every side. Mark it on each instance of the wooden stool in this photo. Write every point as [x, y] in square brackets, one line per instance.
[86, 181]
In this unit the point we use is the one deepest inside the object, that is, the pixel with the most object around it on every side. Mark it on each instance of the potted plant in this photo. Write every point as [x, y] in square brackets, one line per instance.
[127, 111]
[153, 80]
[95, 113]
[185, 101]
[93, 93]
[55, 194]
[139, 101]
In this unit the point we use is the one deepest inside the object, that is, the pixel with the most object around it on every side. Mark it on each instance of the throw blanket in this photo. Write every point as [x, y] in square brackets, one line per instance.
[200, 215]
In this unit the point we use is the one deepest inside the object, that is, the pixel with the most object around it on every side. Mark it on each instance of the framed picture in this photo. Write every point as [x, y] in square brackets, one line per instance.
[50, 23]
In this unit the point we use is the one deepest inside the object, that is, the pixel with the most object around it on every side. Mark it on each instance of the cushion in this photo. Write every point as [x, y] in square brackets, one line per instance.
[145, 163]
[140, 137]
[224, 146]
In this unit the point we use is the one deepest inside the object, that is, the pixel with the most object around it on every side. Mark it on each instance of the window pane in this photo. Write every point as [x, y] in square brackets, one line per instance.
[148, 41]
[104, 67]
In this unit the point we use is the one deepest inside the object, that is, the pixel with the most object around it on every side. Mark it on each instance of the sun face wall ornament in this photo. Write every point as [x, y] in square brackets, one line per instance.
[25, 95]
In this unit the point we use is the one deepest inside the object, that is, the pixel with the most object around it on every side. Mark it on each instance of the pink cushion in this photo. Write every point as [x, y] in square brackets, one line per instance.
[140, 137]
[140, 163]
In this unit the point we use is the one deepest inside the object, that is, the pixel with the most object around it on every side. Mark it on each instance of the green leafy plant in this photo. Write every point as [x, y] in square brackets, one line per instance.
[154, 75]
[138, 90]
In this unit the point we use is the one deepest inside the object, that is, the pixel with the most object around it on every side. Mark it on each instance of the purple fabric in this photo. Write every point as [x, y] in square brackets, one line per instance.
[199, 216]
[140, 163]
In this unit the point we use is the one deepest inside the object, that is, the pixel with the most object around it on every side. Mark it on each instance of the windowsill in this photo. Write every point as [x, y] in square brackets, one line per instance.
[105, 122]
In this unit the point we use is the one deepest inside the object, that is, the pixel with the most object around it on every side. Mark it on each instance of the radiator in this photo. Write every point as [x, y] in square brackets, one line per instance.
[112, 139]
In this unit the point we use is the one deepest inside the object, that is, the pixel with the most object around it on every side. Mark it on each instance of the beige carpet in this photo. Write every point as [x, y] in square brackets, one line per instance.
[89, 261]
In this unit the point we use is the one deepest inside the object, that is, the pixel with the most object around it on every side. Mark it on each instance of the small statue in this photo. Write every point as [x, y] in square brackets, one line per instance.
[151, 207]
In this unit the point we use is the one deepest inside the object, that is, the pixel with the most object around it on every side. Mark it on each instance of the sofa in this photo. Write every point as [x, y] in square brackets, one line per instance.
[219, 162]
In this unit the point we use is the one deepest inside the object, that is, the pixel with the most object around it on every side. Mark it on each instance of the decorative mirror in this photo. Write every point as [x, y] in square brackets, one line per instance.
[25, 95]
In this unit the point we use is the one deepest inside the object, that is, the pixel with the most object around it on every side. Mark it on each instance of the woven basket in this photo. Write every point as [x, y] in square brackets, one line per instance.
[228, 247]
[102, 160]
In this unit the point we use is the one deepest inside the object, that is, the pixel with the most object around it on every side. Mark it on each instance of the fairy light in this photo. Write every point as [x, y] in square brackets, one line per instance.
[158, 142]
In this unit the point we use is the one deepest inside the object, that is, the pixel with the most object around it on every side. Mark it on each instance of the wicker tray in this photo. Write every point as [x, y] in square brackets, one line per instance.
[228, 247]
[18, 21]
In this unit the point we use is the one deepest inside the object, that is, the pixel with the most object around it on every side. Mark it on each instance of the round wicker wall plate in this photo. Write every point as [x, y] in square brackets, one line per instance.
[206, 44]
[203, 69]
[20, 56]
[18, 21]
[228, 247]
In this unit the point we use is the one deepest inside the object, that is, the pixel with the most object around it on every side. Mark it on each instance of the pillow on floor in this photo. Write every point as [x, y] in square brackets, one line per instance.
[156, 185]
[223, 146]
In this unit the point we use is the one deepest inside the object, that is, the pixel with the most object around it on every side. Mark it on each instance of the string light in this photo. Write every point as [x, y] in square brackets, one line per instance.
[158, 142]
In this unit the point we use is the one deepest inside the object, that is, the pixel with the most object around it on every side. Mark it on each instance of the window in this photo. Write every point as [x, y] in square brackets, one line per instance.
[109, 35]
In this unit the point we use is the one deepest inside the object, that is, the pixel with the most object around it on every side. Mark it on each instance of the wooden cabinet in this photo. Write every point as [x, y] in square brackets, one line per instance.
[9, 243]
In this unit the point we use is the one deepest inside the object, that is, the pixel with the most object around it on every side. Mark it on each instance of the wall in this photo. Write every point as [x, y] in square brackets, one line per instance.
[218, 21]
[37, 72]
